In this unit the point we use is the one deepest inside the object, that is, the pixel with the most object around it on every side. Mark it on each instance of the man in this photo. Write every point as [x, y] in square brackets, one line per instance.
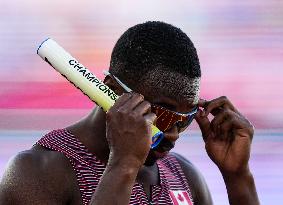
[106, 158]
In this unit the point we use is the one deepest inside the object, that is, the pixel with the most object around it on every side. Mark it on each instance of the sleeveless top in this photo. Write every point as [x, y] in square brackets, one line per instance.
[173, 188]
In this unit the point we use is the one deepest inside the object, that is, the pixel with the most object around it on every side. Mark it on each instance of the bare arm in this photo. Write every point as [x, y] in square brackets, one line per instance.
[128, 132]
[241, 188]
[228, 137]
[115, 186]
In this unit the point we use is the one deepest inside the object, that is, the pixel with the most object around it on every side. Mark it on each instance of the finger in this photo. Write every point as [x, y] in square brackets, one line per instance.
[202, 102]
[121, 100]
[226, 131]
[143, 108]
[222, 115]
[150, 118]
[233, 124]
[204, 125]
[240, 122]
[216, 111]
[218, 103]
[132, 102]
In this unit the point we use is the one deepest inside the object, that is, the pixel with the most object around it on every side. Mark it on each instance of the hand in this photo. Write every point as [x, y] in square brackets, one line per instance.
[128, 129]
[227, 137]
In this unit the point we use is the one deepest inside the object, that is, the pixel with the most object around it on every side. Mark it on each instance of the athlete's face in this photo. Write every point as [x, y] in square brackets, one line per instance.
[171, 135]
[185, 105]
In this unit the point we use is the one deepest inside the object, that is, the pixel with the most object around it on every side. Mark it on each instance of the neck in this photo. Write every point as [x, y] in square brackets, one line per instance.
[91, 132]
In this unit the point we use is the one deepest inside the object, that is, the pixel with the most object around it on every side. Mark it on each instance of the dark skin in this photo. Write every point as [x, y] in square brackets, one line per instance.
[42, 176]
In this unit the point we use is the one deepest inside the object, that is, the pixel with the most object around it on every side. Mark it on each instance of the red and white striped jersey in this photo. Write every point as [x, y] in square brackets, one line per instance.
[173, 188]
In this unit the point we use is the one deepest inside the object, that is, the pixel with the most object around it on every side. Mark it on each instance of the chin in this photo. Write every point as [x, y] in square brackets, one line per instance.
[153, 156]
[159, 152]
[151, 159]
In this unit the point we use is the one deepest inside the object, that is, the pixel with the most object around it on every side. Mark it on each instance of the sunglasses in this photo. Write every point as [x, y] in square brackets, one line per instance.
[166, 119]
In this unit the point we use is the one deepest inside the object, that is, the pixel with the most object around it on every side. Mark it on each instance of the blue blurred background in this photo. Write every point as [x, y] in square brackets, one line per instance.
[240, 45]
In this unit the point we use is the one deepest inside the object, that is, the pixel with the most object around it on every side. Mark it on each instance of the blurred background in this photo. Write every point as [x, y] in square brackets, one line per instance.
[240, 46]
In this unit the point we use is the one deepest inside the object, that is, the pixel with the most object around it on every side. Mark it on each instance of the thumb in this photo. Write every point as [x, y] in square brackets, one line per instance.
[204, 125]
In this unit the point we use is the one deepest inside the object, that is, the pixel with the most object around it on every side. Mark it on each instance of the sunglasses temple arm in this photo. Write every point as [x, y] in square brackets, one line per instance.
[126, 88]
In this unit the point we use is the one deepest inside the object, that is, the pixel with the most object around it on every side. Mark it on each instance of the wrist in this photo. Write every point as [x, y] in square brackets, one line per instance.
[123, 172]
[241, 187]
[125, 164]
[243, 173]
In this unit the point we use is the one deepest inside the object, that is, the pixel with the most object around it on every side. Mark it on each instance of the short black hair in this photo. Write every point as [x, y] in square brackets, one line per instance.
[153, 45]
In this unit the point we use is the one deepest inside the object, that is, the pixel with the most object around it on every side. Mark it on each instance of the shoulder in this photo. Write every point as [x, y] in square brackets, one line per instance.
[37, 175]
[199, 188]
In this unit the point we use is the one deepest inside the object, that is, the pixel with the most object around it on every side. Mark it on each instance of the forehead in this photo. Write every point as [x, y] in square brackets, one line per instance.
[170, 87]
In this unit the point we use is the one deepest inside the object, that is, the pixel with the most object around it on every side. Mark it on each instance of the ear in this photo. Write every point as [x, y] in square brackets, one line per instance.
[113, 85]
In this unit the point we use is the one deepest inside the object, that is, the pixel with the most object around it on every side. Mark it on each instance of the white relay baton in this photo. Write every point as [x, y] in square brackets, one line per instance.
[83, 79]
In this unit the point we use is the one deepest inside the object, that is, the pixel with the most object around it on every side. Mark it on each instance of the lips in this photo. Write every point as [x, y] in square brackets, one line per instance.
[163, 148]
[165, 145]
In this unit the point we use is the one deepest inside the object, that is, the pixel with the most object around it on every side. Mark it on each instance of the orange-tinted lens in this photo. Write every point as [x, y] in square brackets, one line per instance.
[166, 118]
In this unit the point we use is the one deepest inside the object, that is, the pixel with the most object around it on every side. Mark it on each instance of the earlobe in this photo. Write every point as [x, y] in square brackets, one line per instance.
[113, 85]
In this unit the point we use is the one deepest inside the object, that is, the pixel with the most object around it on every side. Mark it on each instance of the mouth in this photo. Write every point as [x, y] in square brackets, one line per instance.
[163, 148]
[159, 152]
